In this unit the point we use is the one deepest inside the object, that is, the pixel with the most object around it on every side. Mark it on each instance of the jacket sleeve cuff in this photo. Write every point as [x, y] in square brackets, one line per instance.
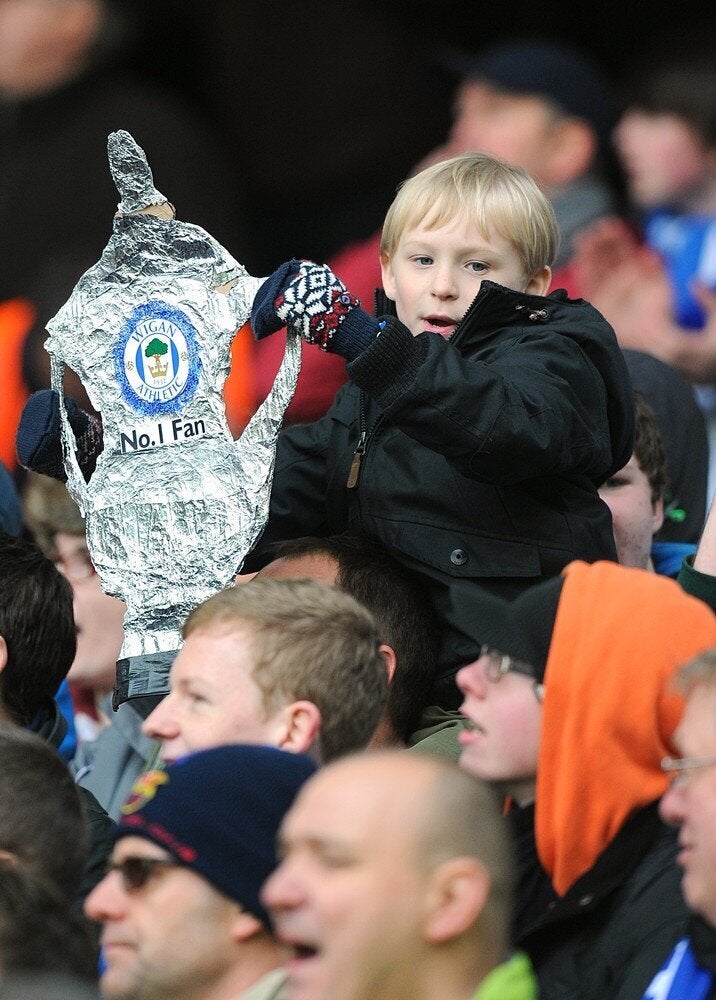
[701, 585]
[390, 365]
[357, 332]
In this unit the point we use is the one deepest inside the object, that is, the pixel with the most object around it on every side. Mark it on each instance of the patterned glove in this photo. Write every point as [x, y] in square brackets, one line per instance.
[39, 439]
[264, 320]
[306, 297]
[314, 303]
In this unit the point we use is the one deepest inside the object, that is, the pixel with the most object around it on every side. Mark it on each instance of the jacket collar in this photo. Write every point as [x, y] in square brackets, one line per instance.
[611, 870]
[49, 724]
[494, 307]
[703, 942]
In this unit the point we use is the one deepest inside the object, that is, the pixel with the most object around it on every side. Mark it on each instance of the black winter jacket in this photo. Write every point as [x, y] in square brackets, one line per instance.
[612, 932]
[475, 461]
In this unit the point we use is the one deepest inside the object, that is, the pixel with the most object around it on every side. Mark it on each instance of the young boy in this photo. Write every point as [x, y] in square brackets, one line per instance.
[481, 415]
[635, 496]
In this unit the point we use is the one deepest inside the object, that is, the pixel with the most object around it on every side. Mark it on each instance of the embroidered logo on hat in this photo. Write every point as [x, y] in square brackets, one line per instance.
[143, 790]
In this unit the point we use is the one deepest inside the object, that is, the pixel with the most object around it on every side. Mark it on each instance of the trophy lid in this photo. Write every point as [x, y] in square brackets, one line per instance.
[131, 173]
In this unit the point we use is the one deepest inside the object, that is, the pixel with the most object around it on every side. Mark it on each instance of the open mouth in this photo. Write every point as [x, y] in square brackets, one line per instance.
[301, 961]
[470, 733]
[439, 324]
[304, 951]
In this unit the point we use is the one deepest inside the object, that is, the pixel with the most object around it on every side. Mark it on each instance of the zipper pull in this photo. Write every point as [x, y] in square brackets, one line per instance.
[358, 454]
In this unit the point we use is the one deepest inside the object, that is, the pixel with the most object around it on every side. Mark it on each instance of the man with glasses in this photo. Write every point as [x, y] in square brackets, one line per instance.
[571, 713]
[690, 805]
[179, 906]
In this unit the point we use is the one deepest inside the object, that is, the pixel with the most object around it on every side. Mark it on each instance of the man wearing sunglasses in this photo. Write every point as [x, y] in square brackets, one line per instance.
[571, 713]
[179, 906]
[690, 804]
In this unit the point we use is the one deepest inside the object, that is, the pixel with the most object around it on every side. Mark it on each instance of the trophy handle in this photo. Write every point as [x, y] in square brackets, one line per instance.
[255, 449]
[75, 480]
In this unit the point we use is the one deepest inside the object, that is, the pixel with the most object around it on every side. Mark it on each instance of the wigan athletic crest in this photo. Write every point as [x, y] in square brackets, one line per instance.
[174, 504]
[157, 359]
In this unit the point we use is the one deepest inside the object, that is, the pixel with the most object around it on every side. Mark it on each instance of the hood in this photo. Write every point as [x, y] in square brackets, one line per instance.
[609, 710]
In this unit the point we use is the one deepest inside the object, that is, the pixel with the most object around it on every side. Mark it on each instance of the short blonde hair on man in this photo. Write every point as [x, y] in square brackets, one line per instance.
[487, 193]
[309, 642]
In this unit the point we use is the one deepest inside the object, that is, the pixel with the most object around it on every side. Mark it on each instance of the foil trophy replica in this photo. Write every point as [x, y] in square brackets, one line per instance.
[174, 504]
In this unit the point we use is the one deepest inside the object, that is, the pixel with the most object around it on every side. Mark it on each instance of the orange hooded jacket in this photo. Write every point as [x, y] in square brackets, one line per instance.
[609, 708]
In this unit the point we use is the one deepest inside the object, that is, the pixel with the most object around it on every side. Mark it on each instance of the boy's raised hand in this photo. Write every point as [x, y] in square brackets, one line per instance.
[311, 300]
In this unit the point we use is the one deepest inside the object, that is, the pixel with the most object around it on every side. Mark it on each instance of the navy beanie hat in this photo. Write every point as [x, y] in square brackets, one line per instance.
[218, 812]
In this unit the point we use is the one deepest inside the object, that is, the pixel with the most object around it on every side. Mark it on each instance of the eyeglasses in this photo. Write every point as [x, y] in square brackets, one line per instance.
[498, 664]
[136, 872]
[679, 767]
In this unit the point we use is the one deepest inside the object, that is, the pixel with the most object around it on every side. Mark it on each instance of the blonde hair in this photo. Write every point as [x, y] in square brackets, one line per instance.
[489, 194]
[309, 642]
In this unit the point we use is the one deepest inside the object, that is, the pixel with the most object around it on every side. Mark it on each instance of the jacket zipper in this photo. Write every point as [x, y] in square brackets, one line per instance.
[471, 309]
[354, 471]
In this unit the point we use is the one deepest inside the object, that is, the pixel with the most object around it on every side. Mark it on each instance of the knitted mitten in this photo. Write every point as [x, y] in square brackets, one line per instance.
[39, 441]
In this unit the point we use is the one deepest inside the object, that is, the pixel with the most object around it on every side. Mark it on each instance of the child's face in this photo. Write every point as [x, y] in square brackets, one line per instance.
[662, 156]
[435, 274]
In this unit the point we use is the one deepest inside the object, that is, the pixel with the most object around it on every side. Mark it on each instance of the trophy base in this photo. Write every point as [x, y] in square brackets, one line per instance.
[144, 676]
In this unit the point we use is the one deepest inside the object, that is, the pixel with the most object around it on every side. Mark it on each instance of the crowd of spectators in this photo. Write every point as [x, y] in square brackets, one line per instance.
[450, 729]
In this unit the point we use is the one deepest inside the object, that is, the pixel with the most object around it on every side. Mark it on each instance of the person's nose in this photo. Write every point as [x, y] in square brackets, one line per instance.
[107, 899]
[444, 284]
[672, 807]
[161, 724]
[471, 679]
[282, 890]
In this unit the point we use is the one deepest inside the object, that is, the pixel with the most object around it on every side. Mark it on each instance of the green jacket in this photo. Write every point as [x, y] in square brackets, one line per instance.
[513, 980]
[701, 585]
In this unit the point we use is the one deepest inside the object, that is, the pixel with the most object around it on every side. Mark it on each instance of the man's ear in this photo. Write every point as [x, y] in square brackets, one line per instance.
[573, 146]
[245, 925]
[459, 889]
[386, 272]
[3, 653]
[657, 513]
[299, 726]
[391, 660]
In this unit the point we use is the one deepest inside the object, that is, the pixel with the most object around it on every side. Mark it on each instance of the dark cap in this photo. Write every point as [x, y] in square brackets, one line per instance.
[552, 70]
[521, 628]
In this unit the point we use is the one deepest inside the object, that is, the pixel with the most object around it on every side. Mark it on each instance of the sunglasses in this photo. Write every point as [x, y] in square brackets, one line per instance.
[135, 872]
